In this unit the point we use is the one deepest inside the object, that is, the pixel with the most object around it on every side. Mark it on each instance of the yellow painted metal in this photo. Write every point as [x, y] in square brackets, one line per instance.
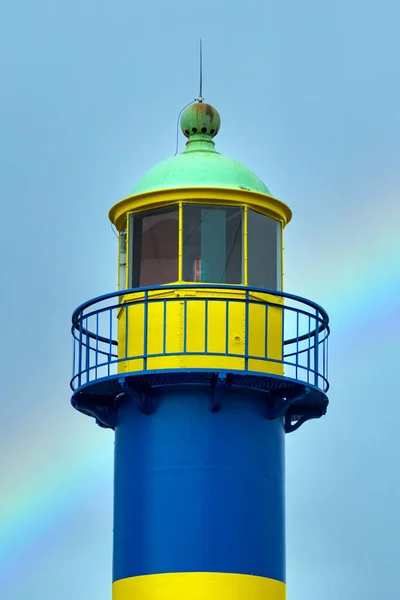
[119, 261]
[128, 233]
[120, 283]
[123, 284]
[199, 586]
[196, 323]
[245, 252]
[131, 337]
[265, 334]
[283, 258]
[180, 242]
[208, 344]
[267, 205]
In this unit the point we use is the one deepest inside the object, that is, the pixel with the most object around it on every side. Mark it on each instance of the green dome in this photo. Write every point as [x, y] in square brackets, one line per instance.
[200, 165]
[200, 169]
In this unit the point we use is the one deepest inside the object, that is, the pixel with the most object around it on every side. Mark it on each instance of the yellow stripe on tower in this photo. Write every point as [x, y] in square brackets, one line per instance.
[198, 586]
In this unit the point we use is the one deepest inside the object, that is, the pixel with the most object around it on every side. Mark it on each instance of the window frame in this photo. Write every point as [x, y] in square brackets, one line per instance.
[279, 249]
[173, 207]
[204, 204]
[245, 207]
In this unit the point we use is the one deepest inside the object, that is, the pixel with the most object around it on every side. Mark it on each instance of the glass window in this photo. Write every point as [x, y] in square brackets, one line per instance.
[212, 244]
[264, 252]
[154, 247]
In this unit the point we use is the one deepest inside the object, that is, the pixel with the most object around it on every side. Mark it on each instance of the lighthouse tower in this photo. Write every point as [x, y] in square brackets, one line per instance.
[201, 363]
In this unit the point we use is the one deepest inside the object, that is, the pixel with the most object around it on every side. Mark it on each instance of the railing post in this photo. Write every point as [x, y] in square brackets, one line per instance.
[87, 363]
[308, 349]
[283, 334]
[327, 362]
[184, 324]
[73, 354]
[145, 331]
[80, 352]
[297, 343]
[316, 350]
[246, 333]
[323, 358]
[110, 350]
[97, 343]
[126, 331]
[266, 304]
[206, 326]
[164, 326]
[227, 327]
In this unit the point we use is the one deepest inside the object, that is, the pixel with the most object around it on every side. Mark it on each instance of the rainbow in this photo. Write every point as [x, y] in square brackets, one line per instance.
[353, 284]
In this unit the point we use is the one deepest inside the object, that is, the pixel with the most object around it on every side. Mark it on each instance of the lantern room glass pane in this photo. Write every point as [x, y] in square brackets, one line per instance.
[264, 252]
[154, 247]
[212, 244]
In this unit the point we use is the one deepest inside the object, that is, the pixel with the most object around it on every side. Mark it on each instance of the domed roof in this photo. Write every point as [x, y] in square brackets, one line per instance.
[200, 165]
[200, 169]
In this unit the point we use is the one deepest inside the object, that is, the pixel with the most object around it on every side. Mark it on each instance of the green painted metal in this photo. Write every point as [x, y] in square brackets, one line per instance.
[200, 118]
[199, 169]
[200, 165]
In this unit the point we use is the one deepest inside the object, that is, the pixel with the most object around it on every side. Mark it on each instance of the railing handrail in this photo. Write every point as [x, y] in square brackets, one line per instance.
[218, 286]
[77, 324]
[88, 337]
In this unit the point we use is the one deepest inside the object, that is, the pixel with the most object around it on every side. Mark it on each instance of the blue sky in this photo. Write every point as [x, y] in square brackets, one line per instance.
[309, 96]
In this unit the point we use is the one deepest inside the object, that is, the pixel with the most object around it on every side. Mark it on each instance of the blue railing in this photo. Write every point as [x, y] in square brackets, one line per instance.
[302, 340]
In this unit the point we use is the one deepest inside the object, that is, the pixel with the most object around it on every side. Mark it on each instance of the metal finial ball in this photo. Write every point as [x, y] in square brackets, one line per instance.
[200, 119]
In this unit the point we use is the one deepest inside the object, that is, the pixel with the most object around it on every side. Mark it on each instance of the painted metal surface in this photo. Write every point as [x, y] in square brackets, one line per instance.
[199, 586]
[198, 491]
[201, 168]
[200, 164]
[200, 119]
[267, 205]
[201, 328]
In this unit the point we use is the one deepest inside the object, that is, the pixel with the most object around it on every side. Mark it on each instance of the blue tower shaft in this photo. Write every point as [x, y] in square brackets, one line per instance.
[196, 490]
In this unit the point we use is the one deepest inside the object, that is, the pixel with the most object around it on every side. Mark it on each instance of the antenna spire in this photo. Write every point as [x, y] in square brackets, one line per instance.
[200, 98]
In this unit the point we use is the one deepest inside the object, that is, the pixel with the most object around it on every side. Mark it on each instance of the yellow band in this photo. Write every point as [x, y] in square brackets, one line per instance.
[198, 586]
[267, 205]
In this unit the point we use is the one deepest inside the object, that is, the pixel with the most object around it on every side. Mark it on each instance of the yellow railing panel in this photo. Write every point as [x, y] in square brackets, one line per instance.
[196, 324]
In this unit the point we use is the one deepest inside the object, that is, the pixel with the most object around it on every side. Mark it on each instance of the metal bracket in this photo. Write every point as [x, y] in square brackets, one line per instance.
[289, 426]
[293, 416]
[280, 404]
[139, 393]
[306, 413]
[218, 381]
[104, 415]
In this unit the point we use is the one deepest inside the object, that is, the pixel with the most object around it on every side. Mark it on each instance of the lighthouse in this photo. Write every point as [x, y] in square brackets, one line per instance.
[201, 363]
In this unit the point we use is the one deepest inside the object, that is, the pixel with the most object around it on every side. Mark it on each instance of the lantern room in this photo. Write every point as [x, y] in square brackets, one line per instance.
[201, 218]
